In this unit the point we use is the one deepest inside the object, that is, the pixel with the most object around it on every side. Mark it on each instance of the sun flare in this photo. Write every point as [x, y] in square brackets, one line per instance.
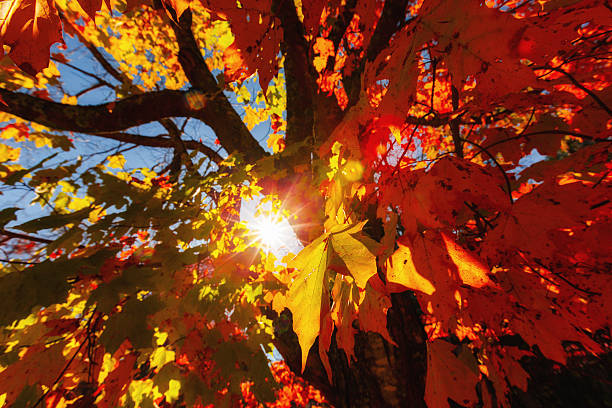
[271, 232]
[268, 226]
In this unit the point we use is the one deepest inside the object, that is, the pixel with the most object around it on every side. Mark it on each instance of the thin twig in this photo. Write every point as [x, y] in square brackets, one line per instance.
[582, 87]
[18, 235]
[19, 262]
[588, 292]
[508, 186]
[61, 374]
[547, 132]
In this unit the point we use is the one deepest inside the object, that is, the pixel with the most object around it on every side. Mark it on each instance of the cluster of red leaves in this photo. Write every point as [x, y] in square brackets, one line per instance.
[257, 39]
[486, 255]
[294, 391]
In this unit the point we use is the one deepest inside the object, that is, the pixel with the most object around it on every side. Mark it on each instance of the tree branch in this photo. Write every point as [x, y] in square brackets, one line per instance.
[342, 22]
[299, 74]
[82, 71]
[162, 142]
[110, 117]
[583, 88]
[392, 19]
[499, 166]
[454, 123]
[545, 132]
[180, 150]
[18, 235]
[108, 67]
[218, 113]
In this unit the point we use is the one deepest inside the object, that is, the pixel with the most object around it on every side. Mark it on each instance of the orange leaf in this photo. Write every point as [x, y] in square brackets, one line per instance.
[401, 270]
[29, 27]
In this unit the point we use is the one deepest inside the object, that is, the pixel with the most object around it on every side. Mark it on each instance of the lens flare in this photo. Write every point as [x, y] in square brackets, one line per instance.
[271, 232]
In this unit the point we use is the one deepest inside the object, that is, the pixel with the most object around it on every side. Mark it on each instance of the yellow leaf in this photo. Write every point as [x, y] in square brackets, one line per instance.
[357, 252]
[471, 269]
[116, 162]
[108, 363]
[95, 215]
[179, 6]
[161, 356]
[221, 30]
[8, 153]
[77, 203]
[352, 170]
[139, 389]
[17, 133]
[276, 142]
[308, 292]
[173, 391]
[69, 100]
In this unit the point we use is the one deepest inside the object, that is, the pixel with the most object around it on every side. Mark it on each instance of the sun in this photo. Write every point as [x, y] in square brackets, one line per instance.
[270, 232]
[269, 229]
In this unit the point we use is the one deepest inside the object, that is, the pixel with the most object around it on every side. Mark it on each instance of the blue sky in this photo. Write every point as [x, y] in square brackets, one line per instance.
[93, 149]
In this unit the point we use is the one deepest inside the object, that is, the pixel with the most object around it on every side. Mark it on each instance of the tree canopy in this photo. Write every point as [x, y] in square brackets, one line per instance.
[444, 164]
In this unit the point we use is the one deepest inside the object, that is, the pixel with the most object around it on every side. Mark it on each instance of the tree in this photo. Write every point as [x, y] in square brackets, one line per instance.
[441, 254]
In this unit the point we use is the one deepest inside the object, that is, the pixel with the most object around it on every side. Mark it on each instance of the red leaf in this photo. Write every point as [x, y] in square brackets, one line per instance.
[117, 381]
[448, 377]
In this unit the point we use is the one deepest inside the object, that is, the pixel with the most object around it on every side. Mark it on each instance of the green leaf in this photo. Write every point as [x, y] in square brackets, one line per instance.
[165, 374]
[161, 356]
[193, 387]
[28, 396]
[131, 281]
[131, 323]
[54, 221]
[18, 175]
[51, 140]
[233, 357]
[41, 285]
[7, 215]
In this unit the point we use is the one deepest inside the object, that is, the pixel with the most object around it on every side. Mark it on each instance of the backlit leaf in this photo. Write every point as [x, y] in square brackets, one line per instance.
[308, 293]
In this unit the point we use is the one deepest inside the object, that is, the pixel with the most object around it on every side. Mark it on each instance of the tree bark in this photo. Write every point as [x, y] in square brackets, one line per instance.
[382, 375]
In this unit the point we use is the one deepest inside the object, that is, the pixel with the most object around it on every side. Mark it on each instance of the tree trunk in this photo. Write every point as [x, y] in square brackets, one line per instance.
[383, 374]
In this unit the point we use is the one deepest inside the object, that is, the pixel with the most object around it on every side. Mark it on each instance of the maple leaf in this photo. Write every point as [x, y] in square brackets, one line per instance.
[503, 367]
[356, 251]
[91, 7]
[29, 27]
[115, 384]
[130, 323]
[373, 309]
[308, 294]
[344, 312]
[468, 42]
[565, 207]
[419, 117]
[179, 6]
[401, 270]
[41, 285]
[256, 42]
[449, 375]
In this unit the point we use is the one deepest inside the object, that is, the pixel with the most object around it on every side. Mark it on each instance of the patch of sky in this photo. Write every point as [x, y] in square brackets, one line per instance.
[81, 73]
[533, 157]
[274, 355]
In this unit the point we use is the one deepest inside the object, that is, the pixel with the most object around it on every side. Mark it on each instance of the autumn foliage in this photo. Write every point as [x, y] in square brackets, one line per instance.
[445, 165]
